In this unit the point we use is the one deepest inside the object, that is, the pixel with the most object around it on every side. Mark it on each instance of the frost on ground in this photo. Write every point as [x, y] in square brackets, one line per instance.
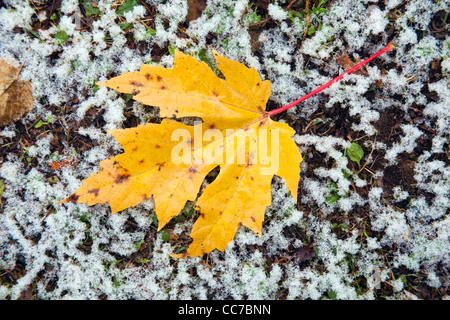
[379, 229]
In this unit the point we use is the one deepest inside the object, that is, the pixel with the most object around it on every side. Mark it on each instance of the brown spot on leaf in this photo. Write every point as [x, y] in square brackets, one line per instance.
[158, 78]
[157, 146]
[163, 88]
[192, 170]
[136, 84]
[148, 76]
[94, 191]
[122, 178]
[73, 198]
[141, 161]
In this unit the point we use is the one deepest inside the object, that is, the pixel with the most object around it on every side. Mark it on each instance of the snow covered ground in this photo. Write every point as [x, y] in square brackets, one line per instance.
[381, 231]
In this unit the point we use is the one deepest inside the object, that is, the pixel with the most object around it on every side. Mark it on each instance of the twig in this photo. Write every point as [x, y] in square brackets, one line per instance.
[38, 119]
[360, 138]
[49, 211]
[368, 157]
[310, 124]
[307, 20]
[291, 4]
[416, 110]
[426, 129]
[259, 22]
[145, 5]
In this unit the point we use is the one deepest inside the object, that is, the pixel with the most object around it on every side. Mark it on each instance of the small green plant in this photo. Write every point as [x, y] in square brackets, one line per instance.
[334, 195]
[333, 198]
[185, 214]
[425, 51]
[202, 55]
[127, 6]
[123, 26]
[61, 37]
[39, 124]
[149, 33]
[355, 153]
[315, 14]
[138, 244]
[90, 9]
[34, 33]
[340, 226]
[252, 17]
[48, 119]
[165, 236]
[92, 83]
[28, 159]
[331, 295]
[172, 49]
[75, 64]
[2, 188]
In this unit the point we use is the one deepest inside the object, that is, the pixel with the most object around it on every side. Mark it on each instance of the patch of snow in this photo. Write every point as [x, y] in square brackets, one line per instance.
[276, 12]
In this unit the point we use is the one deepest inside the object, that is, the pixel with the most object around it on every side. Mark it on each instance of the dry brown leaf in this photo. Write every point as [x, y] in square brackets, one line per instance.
[16, 96]
[57, 165]
[346, 63]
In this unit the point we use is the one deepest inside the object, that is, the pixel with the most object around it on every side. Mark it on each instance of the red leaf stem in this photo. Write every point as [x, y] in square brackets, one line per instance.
[387, 48]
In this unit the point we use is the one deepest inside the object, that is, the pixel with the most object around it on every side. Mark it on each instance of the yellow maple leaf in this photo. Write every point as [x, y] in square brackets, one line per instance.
[169, 161]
